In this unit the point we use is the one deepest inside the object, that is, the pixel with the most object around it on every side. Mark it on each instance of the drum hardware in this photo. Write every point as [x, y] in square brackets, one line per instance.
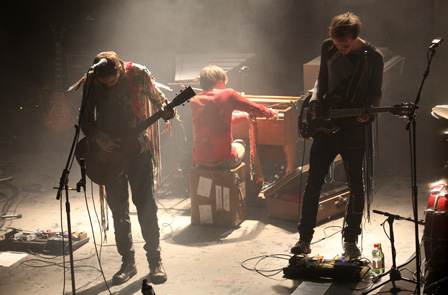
[431, 288]
[435, 239]
[394, 272]
[411, 127]
[440, 111]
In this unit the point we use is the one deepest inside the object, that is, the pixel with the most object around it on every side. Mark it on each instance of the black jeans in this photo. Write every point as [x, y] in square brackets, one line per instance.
[139, 174]
[350, 145]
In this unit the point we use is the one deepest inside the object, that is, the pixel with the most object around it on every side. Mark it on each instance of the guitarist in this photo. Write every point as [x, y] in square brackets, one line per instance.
[350, 68]
[118, 98]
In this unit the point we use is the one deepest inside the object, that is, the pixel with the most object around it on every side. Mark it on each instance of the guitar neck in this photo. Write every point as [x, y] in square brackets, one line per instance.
[178, 100]
[340, 113]
[148, 122]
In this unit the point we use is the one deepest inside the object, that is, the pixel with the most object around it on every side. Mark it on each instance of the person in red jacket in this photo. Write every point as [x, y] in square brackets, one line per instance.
[212, 120]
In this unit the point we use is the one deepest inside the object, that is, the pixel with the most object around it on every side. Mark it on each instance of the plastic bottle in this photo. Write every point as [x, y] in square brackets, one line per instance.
[383, 265]
[376, 260]
[147, 288]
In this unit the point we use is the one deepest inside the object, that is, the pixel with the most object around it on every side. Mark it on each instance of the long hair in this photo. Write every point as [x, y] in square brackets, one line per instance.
[111, 67]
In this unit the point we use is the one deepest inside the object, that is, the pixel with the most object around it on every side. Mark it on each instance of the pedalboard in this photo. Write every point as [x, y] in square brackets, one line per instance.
[306, 267]
[43, 242]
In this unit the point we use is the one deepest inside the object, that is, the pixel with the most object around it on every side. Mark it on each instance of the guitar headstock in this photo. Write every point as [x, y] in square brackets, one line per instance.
[182, 97]
[404, 109]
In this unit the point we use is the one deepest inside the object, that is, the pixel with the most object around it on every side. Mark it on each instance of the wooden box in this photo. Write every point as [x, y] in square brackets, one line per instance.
[218, 197]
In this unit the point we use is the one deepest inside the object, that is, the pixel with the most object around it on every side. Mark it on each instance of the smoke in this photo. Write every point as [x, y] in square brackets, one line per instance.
[283, 35]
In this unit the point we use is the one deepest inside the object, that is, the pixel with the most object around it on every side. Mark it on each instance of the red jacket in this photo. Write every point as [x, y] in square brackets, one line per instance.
[212, 121]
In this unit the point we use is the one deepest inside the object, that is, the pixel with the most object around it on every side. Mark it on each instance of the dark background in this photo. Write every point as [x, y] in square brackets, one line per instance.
[283, 34]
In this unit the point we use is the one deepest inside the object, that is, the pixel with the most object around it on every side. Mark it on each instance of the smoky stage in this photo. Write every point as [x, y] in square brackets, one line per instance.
[248, 258]
[268, 49]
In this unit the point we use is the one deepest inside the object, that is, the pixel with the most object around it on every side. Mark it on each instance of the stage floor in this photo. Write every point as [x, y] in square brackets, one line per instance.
[199, 260]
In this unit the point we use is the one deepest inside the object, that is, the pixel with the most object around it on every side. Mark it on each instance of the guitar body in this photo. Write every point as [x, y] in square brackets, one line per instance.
[105, 167]
[309, 126]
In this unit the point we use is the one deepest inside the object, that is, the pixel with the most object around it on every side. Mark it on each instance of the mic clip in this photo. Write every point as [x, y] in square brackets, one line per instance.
[80, 185]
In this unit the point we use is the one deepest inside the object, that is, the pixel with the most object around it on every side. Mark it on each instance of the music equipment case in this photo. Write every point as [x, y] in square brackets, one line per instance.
[218, 197]
[284, 198]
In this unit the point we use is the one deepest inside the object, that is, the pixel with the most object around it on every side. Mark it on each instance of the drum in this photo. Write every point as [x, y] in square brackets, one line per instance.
[435, 234]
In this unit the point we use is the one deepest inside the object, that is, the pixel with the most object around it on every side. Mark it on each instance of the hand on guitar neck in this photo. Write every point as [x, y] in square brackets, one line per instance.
[363, 116]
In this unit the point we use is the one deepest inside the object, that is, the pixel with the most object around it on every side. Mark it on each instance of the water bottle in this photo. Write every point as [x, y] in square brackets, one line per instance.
[383, 265]
[376, 260]
[147, 288]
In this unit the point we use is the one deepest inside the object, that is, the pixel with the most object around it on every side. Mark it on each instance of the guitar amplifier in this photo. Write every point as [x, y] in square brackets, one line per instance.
[218, 197]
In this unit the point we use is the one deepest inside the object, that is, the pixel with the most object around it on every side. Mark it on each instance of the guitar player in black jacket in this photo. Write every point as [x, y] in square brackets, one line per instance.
[118, 97]
[351, 74]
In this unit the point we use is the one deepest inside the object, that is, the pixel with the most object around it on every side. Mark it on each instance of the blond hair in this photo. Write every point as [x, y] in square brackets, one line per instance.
[210, 75]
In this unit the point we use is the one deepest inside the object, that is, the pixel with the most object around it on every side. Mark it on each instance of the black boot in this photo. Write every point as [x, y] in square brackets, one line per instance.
[127, 271]
[157, 273]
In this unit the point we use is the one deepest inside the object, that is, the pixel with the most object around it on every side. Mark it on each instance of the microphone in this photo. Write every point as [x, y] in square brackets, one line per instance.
[11, 216]
[244, 71]
[102, 62]
[435, 43]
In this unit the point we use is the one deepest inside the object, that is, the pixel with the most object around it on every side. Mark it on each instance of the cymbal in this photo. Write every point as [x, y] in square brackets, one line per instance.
[440, 111]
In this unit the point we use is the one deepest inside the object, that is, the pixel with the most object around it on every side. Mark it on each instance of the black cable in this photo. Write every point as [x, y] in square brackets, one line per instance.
[262, 272]
[325, 235]
[94, 240]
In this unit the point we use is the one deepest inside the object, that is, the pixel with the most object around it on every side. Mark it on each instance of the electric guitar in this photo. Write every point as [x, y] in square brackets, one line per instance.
[104, 167]
[309, 126]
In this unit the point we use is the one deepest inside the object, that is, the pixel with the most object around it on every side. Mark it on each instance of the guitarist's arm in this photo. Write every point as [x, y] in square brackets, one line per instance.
[88, 125]
[156, 99]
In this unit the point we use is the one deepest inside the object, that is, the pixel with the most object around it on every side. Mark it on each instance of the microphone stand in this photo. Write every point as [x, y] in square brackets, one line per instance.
[412, 123]
[63, 185]
[394, 272]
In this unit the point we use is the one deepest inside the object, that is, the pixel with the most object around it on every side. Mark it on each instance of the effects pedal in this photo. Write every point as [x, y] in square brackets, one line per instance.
[306, 266]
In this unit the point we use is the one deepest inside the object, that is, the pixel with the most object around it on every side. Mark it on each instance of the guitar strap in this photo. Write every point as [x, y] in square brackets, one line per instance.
[133, 87]
[357, 77]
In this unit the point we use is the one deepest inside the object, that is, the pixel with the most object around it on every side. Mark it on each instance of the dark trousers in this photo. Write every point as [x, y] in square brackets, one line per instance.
[139, 175]
[325, 147]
